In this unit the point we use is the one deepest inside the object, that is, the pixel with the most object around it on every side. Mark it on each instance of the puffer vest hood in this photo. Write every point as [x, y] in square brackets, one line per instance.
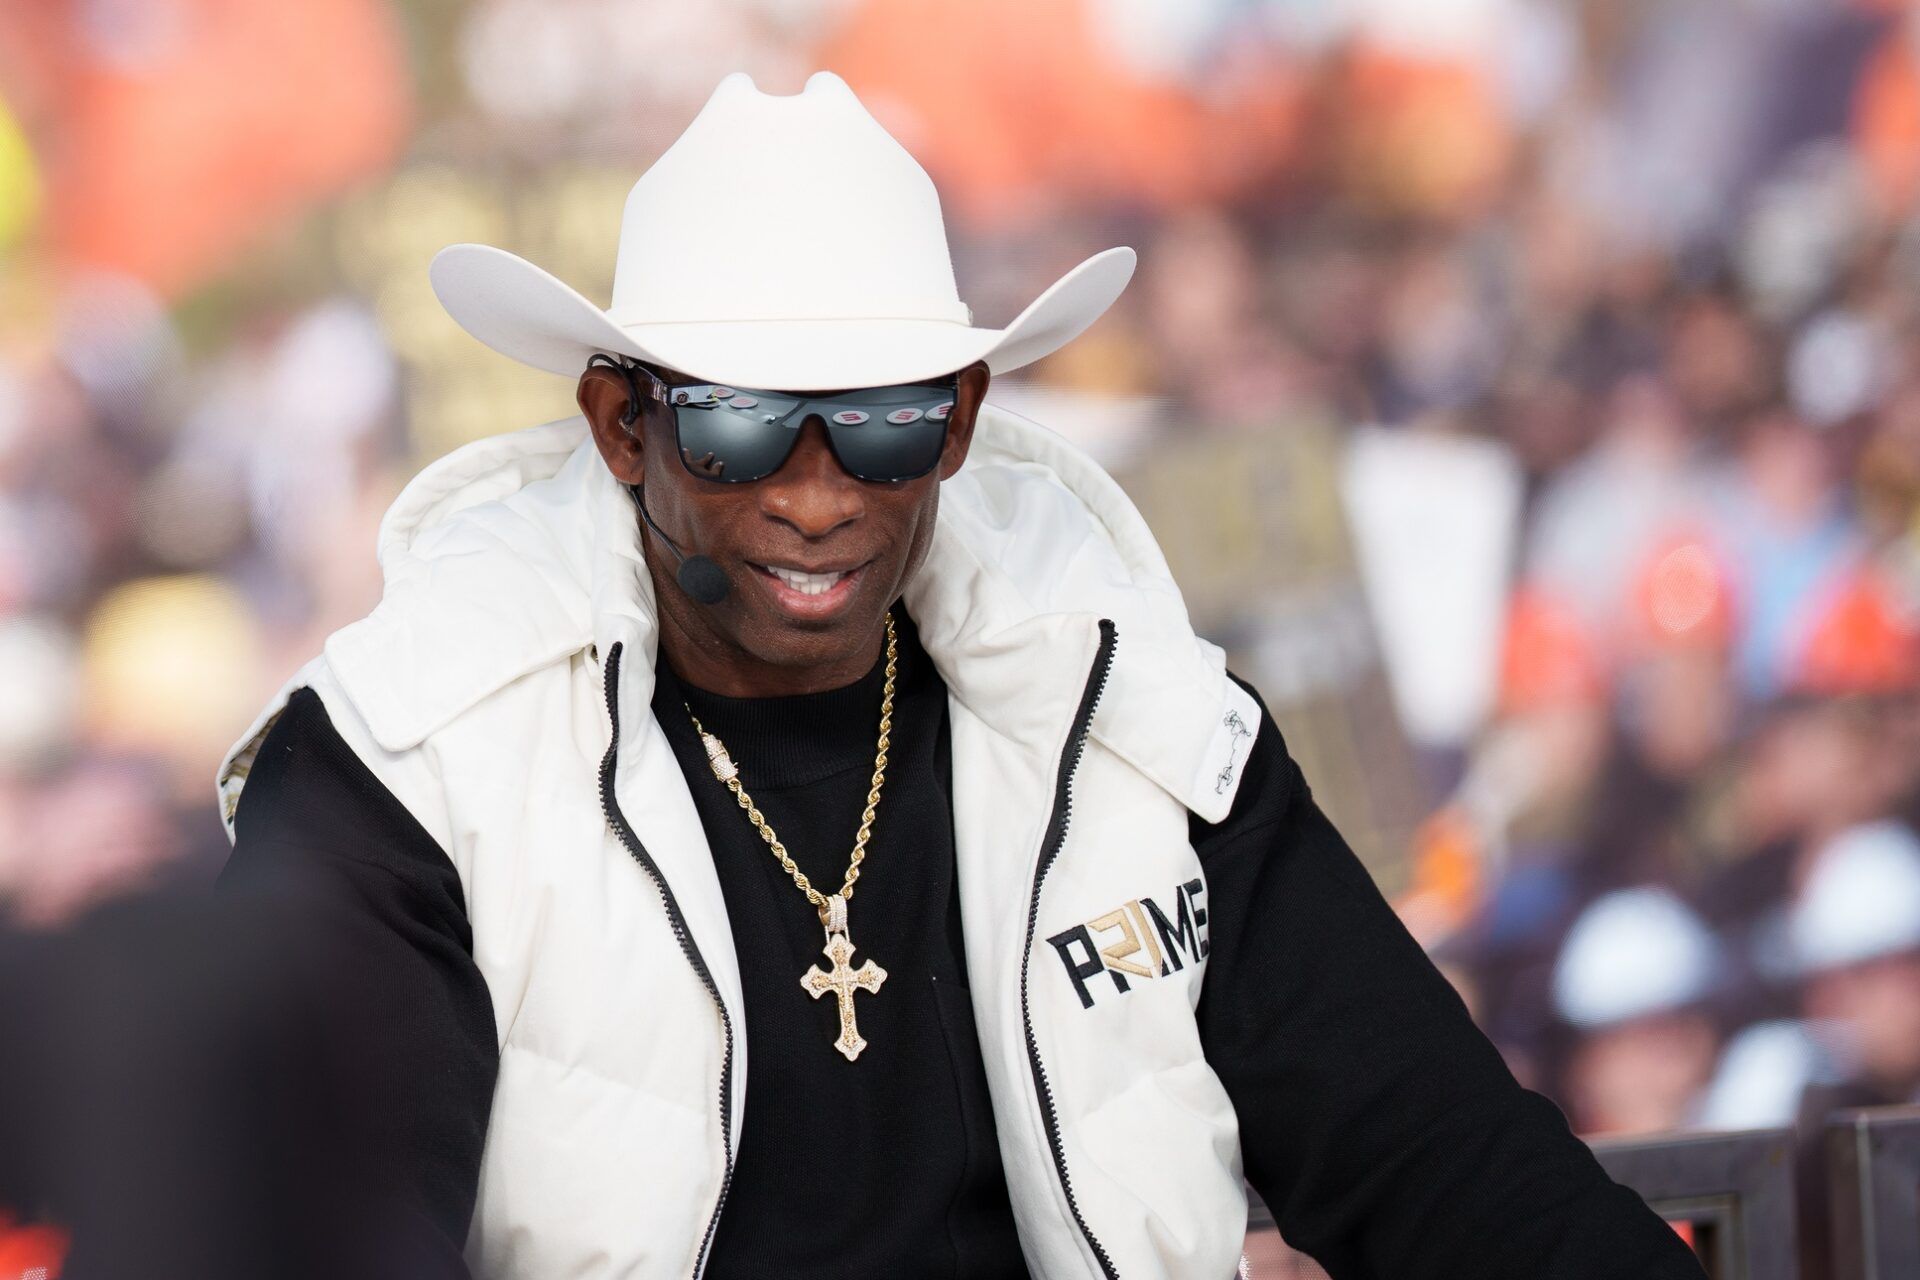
[501, 690]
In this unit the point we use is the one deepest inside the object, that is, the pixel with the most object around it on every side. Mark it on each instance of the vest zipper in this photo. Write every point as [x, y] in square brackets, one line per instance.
[1049, 849]
[618, 822]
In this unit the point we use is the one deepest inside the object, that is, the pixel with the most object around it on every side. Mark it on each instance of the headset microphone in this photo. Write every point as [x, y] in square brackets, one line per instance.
[699, 576]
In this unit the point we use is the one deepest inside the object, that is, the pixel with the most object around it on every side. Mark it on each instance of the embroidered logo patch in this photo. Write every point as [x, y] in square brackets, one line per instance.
[1138, 939]
[1237, 728]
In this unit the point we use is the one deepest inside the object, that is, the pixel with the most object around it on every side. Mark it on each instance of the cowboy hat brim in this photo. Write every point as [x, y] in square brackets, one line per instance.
[526, 313]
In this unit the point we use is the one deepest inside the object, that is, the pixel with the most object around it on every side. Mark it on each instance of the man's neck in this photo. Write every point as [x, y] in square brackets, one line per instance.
[706, 659]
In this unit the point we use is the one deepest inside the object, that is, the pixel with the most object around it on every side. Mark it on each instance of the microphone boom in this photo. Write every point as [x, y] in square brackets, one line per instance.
[701, 577]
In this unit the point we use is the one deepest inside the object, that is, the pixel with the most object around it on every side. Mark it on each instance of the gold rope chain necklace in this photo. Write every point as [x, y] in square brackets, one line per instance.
[843, 979]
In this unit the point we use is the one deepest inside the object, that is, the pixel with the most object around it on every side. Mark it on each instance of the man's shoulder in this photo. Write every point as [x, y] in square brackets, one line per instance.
[308, 791]
[489, 564]
[486, 557]
[312, 707]
[1270, 778]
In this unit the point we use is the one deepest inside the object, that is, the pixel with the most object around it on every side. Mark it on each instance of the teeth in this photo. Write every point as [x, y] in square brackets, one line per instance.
[808, 584]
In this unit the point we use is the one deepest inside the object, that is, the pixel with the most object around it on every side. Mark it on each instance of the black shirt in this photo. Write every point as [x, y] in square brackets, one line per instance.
[1376, 1121]
[910, 1119]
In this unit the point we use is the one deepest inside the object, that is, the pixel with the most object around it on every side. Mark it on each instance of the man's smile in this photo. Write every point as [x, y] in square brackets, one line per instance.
[812, 593]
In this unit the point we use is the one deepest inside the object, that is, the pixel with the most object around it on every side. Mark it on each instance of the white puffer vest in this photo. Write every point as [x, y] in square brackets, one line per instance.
[501, 690]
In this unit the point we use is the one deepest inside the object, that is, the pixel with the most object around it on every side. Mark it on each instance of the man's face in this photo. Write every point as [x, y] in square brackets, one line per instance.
[765, 637]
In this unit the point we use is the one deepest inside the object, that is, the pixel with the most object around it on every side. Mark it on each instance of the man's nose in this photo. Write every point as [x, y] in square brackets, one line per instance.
[810, 491]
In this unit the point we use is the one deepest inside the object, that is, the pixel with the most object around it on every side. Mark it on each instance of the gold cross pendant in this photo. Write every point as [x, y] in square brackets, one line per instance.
[843, 980]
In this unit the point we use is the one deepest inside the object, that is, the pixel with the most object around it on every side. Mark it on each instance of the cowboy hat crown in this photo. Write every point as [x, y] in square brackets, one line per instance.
[783, 241]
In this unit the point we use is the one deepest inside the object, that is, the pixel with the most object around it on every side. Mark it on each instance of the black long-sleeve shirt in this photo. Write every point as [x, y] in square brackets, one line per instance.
[1379, 1125]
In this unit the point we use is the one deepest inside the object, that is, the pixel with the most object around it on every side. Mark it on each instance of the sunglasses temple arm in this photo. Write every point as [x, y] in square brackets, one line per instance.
[627, 368]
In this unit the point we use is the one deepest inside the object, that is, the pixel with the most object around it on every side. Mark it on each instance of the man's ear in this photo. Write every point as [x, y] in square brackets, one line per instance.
[966, 410]
[602, 396]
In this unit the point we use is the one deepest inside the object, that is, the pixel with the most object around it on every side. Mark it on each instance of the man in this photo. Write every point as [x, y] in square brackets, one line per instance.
[810, 838]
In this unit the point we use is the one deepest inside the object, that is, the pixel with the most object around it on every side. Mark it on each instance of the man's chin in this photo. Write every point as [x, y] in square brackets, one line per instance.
[843, 640]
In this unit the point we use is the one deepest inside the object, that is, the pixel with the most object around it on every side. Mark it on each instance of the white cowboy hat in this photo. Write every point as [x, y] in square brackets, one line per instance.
[786, 242]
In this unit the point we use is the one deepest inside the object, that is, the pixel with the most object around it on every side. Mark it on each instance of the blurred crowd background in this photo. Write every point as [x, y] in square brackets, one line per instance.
[1527, 394]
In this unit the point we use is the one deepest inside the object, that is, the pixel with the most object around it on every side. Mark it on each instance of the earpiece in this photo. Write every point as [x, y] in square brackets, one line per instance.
[630, 414]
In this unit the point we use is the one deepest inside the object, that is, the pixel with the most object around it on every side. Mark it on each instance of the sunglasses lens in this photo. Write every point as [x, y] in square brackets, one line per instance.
[733, 435]
[890, 433]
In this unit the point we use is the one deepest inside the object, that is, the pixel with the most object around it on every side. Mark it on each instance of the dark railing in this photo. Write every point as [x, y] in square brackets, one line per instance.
[1873, 1167]
[1734, 1190]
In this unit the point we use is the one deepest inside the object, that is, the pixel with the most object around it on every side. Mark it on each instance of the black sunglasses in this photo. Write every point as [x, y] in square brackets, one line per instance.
[731, 435]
